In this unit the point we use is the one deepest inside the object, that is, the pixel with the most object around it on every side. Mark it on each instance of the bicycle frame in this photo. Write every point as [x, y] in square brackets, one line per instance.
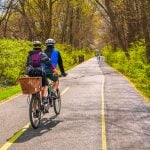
[36, 108]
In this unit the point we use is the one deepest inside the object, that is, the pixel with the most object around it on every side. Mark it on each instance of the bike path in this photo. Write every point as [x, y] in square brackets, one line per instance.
[127, 114]
[79, 124]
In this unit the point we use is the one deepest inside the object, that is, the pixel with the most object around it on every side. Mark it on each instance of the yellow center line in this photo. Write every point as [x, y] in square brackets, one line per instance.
[20, 132]
[65, 90]
[104, 143]
[15, 137]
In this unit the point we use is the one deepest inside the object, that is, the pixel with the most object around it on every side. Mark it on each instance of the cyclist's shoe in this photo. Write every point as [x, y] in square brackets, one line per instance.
[51, 103]
[54, 94]
[64, 74]
[46, 104]
[45, 100]
[46, 111]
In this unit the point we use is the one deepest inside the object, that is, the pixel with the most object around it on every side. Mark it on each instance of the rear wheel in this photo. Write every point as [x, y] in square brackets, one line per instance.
[35, 111]
[57, 103]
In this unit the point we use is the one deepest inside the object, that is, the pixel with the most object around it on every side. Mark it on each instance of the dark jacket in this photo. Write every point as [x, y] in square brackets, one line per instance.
[44, 60]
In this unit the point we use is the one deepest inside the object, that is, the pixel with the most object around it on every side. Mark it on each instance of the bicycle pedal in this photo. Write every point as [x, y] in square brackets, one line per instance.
[36, 114]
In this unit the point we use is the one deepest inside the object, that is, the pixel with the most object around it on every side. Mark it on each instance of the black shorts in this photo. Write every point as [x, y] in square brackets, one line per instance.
[44, 81]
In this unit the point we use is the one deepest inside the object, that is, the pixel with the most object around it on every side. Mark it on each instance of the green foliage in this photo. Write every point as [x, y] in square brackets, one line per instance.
[70, 55]
[12, 61]
[14, 53]
[8, 92]
[135, 66]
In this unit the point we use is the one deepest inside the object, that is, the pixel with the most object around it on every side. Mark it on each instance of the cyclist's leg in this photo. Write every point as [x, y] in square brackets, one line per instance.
[44, 93]
[44, 89]
[55, 85]
[44, 84]
[54, 78]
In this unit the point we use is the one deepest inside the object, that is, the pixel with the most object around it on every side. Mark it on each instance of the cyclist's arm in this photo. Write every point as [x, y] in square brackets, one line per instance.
[60, 63]
[45, 59]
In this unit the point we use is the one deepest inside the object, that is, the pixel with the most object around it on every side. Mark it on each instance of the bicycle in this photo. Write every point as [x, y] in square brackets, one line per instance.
[36, 108]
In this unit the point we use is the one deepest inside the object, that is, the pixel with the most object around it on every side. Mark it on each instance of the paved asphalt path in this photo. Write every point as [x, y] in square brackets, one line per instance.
[127, 114]
[79, 125]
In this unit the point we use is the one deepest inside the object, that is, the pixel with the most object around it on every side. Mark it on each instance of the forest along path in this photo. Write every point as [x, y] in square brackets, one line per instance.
[81, 124]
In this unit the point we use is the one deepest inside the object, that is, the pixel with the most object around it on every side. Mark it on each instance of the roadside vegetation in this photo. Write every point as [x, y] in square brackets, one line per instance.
[8, 92]
[125, 23]
[81, 26]
[13, 60]
[134, 65]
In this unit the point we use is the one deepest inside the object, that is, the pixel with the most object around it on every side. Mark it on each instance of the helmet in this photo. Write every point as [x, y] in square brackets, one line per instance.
[50, 42]
[37, 44]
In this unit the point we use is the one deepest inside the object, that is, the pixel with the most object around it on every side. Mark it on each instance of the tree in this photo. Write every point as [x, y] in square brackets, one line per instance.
[129, 20]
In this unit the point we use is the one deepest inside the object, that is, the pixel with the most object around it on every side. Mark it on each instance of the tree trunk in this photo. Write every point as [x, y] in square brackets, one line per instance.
[114, 26]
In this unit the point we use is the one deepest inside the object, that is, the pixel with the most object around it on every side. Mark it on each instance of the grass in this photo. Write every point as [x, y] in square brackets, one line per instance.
[142, 88]
[138, 86]
[8, 92]
[134, 67]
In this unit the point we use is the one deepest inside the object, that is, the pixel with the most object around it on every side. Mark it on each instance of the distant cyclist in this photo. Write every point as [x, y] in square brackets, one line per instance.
[36, 62]
[100, 58]
[54, 55]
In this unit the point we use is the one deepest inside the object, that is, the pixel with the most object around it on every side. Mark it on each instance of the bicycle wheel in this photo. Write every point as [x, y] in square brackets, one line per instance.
[57, 103]
[34, 111]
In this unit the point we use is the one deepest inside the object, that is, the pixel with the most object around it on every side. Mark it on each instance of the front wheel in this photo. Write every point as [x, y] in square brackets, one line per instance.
[35, 111]
[57, 103]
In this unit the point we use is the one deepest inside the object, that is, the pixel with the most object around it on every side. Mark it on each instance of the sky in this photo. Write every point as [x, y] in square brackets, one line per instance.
[1, 2]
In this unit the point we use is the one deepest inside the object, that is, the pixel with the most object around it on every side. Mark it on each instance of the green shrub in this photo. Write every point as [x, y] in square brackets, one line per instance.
[14, 53]
[135, 66]
[13, 57]
[70, 54]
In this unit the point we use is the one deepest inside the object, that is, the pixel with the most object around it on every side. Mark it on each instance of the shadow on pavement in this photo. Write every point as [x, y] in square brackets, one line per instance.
[127, 130]
[124, 122]
[47, 124]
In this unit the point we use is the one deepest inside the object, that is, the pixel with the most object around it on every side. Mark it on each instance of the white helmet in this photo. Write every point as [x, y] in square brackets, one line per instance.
[50, 42]
[37, 44]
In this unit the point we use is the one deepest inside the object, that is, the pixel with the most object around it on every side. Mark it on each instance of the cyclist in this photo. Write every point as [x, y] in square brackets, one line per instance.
[54, 55]
[35, 67]
[56, 58]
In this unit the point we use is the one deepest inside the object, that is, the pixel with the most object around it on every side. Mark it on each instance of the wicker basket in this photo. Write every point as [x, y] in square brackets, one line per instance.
[30, 85]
